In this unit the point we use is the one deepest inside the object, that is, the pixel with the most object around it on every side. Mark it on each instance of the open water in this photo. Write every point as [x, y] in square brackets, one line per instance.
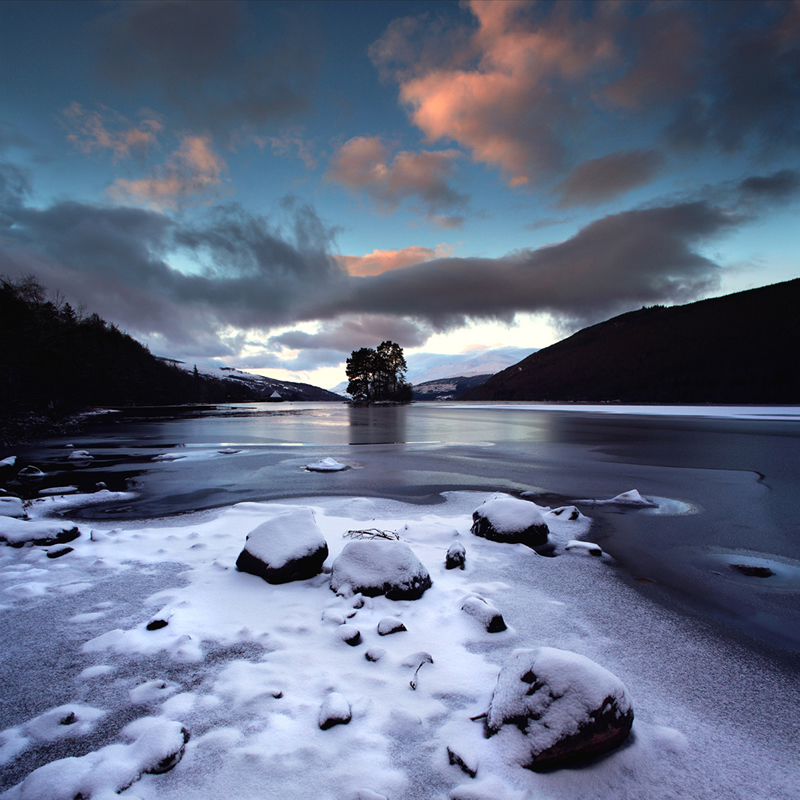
[727, 489]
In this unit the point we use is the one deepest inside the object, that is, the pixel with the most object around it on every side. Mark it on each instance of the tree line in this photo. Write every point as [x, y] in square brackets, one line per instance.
[378, 375]
[56, 360]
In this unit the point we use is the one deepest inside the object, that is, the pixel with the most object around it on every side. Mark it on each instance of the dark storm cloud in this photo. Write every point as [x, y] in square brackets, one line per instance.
[351, 333]
[635, 257]
[749, 81]
[600, 179]
[211, 60]
[199, 285]
[780, 186]
[117, 261]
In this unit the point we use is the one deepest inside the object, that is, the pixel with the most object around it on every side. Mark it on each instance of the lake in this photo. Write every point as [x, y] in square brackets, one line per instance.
[726, 482]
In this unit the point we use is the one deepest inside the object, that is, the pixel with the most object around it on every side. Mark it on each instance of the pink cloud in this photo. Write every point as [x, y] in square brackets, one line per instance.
[504, 106]
[379, 261]
[366, 163]
[107, 130]
[191, 173]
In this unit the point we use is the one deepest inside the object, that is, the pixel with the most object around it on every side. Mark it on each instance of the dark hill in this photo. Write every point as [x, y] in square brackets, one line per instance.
[741, 348]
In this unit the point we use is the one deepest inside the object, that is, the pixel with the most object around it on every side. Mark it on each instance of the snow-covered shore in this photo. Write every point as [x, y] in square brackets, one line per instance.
[146, 629]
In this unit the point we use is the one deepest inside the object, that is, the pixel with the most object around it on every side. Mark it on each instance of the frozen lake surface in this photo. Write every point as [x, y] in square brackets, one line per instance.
[146, 629]
[728, 479]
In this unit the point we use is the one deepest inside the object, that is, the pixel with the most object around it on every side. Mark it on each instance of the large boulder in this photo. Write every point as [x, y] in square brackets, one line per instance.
[288, 547]
[380, 566]
[508, 519]
[567, 707]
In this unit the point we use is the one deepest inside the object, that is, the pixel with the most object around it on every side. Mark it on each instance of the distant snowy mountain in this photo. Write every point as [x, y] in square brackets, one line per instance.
[425, 367]
[269, 388]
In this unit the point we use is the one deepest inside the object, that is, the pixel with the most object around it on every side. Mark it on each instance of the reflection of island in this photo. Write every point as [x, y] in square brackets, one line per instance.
[383, 424]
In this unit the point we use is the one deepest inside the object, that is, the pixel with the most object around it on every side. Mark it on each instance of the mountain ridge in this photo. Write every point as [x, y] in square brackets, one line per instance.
[738, 348]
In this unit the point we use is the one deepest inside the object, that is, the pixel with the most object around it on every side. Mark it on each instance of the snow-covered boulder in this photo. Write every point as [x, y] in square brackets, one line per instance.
[456, 556]
[44, 532]
[11, 506]
[389, 625]
[567, 707]
[326, 465]
[30, 475]
[483, 611]
[335, 710]
[158, 745]
[632, 498]
[379, 566]
[508, 519]
[288, 547]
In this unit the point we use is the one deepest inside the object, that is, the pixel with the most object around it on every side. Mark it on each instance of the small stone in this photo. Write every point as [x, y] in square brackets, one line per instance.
[335, 711]
[466, 765]
[374, 654]
[491, 619]
[456, 556]
[349, 634]
[57, 552]
[390, 625]
[753, 570]
[155, 624]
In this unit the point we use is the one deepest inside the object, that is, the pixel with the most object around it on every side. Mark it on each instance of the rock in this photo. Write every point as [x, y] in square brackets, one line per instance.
[483, 611]
[508, 519]
[349, 634]
[11, 506]
[390, 625]
[632, 498]
[57, 552]
[590, 548]
[30, 475]
[375, 654]
[379, 566]
[288, 547]
[326, 465]
[42, 532]
[567, 707]
[335, 711]
[463, 762]
[456, 556]
[753, 570]
[156, 624]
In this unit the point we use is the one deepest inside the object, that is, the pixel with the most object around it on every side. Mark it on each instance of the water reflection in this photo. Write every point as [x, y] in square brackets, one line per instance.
[377, 424]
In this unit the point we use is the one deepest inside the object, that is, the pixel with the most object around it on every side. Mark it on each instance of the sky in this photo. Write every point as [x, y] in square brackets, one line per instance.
[271, 185]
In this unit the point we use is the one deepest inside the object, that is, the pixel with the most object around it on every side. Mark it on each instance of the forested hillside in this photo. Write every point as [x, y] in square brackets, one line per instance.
[741, 348]
[55, 361]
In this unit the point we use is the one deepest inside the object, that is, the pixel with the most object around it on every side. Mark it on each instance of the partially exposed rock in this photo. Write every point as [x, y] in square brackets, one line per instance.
[389, 625]
[567, 707]
[509, 519]
[483, 611]
[289, 547]
[335, 711]
[379, 566]
[456, 556]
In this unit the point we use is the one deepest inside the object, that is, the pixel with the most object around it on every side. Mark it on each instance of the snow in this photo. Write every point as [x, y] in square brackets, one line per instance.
[509, 516]
[247, 667]
[290, 534]
[326, 465]
[379, 566]
[568, 688]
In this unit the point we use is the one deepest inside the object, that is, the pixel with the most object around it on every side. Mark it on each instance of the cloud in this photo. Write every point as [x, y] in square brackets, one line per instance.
[778, 187]
[639, 256]
[249, 275]
[350, 333]
[593, 182]
[525, 86]
[191, 174]
[379, 261]
[106, 130]
[211, 60]
[365, 162]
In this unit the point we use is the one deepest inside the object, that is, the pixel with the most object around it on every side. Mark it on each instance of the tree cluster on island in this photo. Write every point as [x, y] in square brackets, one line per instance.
[378, 376]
